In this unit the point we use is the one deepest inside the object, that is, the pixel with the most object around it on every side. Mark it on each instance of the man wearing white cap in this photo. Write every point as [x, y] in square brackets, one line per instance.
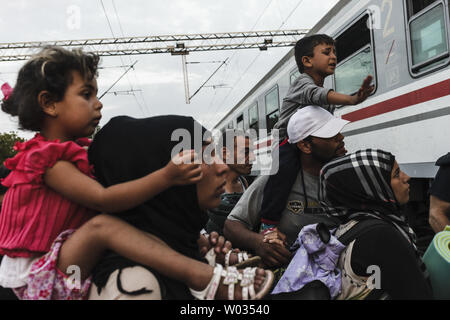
[314, 139]
[315, 122]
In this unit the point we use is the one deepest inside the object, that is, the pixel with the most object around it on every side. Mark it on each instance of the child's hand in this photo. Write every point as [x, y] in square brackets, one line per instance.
[365, 90]
[183, 170]
[273, 250]
[275, 237]
[220, 245]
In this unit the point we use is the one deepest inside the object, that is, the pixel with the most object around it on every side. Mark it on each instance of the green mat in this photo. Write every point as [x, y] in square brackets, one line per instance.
[437, 260]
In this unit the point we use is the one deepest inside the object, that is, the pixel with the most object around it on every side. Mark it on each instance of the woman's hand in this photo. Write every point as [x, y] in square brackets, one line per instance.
[184, 169]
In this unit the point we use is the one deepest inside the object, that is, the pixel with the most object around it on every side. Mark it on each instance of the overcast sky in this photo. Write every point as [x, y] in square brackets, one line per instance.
[158, 78]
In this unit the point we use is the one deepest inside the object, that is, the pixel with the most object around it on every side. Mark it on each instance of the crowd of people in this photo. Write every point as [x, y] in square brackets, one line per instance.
[123, 217]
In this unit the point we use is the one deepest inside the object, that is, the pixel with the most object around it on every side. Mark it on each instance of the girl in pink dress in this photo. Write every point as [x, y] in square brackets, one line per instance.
[52, 191]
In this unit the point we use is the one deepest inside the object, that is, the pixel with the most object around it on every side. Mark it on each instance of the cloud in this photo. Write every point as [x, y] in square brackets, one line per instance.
[159, 76]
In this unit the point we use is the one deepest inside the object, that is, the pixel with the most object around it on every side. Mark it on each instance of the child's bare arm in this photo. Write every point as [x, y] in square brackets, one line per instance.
[344, 99]
[70, 182]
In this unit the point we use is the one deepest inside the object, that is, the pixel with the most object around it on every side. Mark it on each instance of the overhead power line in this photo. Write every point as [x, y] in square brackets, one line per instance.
[179, 44]
[203, 85]
[256, 58]
[147, 39]
[121, 59]
[124, 92]
[174, 44]
[172, 50]
[126, 71]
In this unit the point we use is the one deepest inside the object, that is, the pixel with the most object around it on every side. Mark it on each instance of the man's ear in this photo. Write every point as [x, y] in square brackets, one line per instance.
[306, 62]
[304, 146]
[47, 104]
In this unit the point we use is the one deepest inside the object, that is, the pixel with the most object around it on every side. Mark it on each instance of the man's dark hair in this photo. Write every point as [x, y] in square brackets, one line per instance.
[305, 47]
[233, 134]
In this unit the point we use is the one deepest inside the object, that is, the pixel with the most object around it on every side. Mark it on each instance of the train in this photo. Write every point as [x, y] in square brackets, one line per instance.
[405, 46]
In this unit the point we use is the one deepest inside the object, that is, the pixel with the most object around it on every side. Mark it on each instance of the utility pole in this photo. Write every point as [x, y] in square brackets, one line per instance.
[186, 79]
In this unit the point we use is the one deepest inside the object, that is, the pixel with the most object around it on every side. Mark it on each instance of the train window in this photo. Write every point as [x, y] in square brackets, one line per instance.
[253, 117]
[294, 76]
[416, 6]
[355, 57]
[240, 122]
[428, 34]
[272, 108]
[350, 74]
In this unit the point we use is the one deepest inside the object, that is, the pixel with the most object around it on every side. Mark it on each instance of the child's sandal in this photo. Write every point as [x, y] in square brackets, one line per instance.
[244, 260]
[232, 277]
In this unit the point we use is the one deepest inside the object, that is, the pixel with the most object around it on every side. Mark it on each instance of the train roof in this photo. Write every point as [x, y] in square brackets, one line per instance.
[333, 11]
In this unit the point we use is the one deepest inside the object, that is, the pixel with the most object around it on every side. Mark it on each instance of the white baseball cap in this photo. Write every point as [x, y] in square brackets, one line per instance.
[313, 121]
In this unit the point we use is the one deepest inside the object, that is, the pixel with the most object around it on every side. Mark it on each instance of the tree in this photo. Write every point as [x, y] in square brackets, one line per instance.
[7, 142]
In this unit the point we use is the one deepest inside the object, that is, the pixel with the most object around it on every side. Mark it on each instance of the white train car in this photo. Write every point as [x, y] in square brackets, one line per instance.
[405, 45]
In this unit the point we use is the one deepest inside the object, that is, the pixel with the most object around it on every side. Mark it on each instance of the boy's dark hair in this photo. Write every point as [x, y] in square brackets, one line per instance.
[305, 47]
[50, 70]
[3, 174]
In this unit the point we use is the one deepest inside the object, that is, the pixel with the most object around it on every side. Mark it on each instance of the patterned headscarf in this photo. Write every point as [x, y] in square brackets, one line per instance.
[358, 186]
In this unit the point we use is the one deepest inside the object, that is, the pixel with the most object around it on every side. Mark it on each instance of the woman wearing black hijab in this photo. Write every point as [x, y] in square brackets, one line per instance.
[367, 188]
[127, 149]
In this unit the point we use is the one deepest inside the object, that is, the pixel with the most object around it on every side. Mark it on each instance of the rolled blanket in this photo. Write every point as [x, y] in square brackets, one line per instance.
[437, 260]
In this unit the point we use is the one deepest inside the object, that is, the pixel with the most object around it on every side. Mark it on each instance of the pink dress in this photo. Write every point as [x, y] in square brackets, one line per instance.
[35, 220]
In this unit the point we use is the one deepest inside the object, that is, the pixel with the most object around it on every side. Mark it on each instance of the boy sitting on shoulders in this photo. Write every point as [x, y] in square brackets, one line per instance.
[316, 59]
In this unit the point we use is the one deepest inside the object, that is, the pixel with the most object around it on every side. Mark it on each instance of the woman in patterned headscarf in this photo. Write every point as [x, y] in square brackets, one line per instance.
[369, 185]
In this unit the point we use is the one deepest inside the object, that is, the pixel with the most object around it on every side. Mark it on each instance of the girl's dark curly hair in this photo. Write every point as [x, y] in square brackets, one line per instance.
[50, 70]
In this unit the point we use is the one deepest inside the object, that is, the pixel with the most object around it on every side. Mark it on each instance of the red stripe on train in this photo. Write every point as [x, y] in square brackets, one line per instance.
[264, 144]
[435, 91]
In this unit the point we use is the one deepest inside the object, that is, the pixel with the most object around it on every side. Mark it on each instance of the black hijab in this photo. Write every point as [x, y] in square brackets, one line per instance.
[358, 186]
[126, 149]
